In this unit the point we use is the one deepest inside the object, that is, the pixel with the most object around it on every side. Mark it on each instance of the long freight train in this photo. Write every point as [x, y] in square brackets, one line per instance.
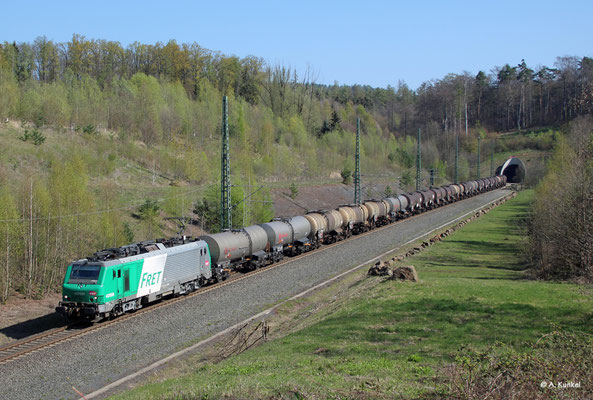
[118, 280]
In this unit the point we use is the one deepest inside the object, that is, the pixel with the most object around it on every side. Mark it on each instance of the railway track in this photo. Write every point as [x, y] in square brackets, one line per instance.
[18, 349]
[32, 343]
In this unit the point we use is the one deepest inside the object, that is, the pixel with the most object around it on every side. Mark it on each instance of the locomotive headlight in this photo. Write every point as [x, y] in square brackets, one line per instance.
[65, 297]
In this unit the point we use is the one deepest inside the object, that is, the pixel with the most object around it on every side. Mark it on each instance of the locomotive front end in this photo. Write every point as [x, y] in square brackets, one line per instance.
[82, 291]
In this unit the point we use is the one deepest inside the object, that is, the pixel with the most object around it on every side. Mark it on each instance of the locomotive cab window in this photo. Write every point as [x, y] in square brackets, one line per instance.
[85, 274]
[119, 273]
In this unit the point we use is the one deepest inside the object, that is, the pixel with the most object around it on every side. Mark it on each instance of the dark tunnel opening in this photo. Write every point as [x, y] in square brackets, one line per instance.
[514, 173]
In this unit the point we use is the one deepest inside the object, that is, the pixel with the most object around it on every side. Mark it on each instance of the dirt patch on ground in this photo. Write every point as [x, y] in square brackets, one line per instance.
[310, 198]
[21, 317]
[326, 197]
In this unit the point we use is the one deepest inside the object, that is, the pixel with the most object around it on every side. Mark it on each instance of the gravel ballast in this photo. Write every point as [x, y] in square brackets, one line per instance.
[99, 358]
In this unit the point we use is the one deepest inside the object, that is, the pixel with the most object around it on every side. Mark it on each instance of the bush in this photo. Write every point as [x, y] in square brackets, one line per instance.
[540, 140]
[89, 130]
[388, 191]
[149, 209]
[535, 173]
[500, 372]
[404, 158]
[128, 233]
[35, 137]
[406, 179]
[294, 191]
[346, 174]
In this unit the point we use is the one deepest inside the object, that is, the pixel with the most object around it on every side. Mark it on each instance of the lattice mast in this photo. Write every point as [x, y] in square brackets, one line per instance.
[457, 158]
[418, 163]
[478, 166]
[357, 198]
[492, 159]
[225, 172]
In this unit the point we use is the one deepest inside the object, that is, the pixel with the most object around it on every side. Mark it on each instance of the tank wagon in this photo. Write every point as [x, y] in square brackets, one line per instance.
[448, 194]
[428, 199]
[114, 281]
[394, 211]
[356, 216]
[404, 205]
[375, 210]
[242, 249]
[338, 228]
[293, 234]
[414, 202]
[438, 196]
[444, 195]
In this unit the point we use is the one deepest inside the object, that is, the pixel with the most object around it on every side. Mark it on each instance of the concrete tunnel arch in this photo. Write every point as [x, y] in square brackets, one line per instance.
[514, 169]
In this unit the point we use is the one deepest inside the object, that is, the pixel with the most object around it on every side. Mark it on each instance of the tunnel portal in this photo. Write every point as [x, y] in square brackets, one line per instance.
[513, 169]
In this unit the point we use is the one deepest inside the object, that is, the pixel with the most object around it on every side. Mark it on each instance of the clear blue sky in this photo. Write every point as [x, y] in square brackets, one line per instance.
[366, 42]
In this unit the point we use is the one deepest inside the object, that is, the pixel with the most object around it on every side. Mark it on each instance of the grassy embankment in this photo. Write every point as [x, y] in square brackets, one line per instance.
[370, 338]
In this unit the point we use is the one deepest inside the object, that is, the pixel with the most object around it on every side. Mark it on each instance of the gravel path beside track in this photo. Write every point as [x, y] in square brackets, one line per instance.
[94, 360]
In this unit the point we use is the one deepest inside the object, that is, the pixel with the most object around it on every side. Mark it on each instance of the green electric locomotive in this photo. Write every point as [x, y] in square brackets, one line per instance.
[118, 280]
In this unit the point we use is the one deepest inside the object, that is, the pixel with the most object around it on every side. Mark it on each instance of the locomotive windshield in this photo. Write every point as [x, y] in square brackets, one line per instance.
[84, 273]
